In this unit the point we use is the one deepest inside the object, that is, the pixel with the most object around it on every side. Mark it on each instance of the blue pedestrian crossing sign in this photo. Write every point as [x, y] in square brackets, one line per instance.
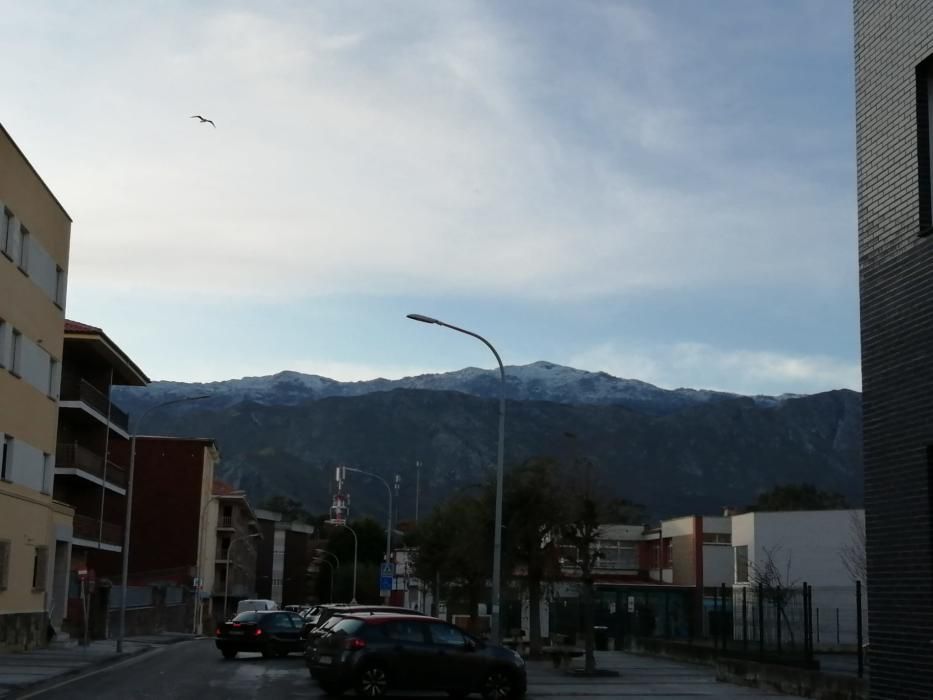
[386, 574]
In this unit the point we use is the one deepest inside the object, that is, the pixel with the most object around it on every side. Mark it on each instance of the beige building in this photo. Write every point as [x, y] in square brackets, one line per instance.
[35, 531]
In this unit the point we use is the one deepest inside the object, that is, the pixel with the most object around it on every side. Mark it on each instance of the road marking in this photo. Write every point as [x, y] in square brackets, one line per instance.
[136, 658]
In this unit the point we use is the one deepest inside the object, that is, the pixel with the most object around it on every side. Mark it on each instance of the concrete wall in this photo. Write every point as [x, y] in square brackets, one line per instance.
[805, 545]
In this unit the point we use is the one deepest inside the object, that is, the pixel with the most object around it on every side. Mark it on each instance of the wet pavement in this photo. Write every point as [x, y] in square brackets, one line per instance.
[194, 670]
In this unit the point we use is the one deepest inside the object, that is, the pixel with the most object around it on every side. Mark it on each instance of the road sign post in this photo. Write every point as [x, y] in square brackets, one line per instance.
[386, 576]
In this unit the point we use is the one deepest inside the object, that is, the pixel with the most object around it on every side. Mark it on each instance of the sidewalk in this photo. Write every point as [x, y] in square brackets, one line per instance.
[25, 669]
[640, 677]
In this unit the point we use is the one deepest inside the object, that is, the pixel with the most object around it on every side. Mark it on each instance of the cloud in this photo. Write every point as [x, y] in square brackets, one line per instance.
[703, 366]
[425, 148]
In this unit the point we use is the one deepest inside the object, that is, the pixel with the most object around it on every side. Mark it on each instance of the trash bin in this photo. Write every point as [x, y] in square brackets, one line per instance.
[601, 638]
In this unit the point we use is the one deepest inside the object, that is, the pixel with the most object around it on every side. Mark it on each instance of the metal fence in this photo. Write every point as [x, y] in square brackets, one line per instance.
[790, 624]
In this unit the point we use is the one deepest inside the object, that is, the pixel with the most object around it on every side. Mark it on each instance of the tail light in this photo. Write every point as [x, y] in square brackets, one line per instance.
[257, 632]
[355, 644]
[217, 632]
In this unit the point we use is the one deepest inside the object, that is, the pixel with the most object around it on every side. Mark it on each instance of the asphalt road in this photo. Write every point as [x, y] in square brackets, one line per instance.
[194, 670]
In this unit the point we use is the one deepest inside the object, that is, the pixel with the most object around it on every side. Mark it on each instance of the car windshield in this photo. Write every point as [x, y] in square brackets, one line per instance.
[348, 626]
[246, 617]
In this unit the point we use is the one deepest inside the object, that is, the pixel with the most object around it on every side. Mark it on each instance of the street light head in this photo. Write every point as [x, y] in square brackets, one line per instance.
[423, 319]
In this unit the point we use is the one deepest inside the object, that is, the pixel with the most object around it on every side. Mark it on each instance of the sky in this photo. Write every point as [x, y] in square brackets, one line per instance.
[659, 189]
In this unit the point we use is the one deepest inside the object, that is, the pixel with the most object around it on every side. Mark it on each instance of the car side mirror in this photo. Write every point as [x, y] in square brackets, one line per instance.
[473, 644]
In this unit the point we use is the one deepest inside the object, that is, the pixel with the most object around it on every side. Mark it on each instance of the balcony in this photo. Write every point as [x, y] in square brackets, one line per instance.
[91, 529]
[75, 389]
[74, 456]
[225, 522]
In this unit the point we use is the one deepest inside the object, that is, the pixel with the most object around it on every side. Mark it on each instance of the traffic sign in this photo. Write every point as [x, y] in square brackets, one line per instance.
[387, 569]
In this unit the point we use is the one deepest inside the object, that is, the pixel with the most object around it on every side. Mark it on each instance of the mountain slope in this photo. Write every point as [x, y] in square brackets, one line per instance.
[707, 454]
[539, 381]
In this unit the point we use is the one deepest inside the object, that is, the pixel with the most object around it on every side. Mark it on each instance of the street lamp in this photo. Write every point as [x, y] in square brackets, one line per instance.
[356, 545]
[497, 538]
[227, 571]
[388, 514]
[129, 509]
[321, 553]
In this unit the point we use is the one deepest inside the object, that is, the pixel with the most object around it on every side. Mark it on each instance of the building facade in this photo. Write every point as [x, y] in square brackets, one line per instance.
[893, 74]
[35, 233]
[236, 543]
[285, 552]
[91, 466]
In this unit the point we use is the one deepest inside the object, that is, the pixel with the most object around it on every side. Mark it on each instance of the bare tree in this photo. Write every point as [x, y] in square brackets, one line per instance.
[776, 586]
[853, 552]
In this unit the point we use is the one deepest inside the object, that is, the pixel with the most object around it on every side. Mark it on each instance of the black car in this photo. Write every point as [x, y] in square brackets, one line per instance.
[324, 613]
[271, 632]
[373, 654]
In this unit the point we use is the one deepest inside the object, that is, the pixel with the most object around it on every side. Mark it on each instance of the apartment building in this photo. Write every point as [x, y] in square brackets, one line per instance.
[894, 137]
[91, 459]
[237, 547]
[35, 530]
[285, 551]
[175, 515]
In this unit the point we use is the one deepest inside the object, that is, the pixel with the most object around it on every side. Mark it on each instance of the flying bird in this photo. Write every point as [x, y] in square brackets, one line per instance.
[203, 120]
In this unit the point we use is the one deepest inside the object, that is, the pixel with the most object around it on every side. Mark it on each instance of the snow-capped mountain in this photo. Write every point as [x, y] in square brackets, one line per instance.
[539, 381]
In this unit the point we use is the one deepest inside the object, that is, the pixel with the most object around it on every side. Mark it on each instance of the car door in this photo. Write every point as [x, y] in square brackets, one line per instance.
[283, 633]
[409, 654]
[455, 665]
[297, 633]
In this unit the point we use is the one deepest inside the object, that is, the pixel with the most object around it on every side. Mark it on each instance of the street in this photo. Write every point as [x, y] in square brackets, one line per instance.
[194, 670]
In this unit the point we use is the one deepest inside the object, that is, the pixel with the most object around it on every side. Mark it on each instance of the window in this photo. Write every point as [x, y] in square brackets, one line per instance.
[55, 375]
[48, 467]
[39, 568]
[717, 538]
[446, 635]
[741, 564]
[24, 244]
[6, 459]
[6, 233]
[4, 564]
[16, 352]
[405, 631]
[61, 286]
[925, 144]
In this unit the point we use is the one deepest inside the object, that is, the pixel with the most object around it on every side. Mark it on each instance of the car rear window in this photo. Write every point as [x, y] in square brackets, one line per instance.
[246, 617]
[348, 626]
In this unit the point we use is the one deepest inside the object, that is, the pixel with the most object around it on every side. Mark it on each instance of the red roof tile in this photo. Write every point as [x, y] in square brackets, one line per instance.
[222, 488]
[75, 327]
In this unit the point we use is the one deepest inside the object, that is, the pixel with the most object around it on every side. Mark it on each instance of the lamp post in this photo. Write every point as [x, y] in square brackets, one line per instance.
[321, 553]
[388, 513]
[242, 538]
[330, 565]
[129, 510]
[497, 537]
[356, 545]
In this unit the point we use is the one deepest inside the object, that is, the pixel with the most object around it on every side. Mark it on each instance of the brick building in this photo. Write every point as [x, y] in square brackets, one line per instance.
[894, 105]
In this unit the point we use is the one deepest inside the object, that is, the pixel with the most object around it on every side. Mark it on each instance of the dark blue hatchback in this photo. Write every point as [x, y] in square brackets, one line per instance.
[373, 654]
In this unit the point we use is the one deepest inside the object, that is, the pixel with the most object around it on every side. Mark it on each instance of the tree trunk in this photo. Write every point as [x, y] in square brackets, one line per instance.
[534, 616]
[589, 622]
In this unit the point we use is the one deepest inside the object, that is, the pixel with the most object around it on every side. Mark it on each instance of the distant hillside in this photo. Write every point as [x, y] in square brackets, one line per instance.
[539, 381]
[709, 451]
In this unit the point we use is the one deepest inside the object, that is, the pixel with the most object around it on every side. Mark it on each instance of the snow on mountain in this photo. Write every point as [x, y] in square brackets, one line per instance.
[540, 381]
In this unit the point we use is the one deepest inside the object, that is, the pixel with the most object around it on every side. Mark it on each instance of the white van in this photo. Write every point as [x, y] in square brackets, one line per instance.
[255, 604]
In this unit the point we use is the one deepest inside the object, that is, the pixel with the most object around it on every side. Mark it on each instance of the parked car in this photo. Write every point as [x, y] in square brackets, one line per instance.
[271, 632]
[324, 613]
[375, 653]
[256, 604]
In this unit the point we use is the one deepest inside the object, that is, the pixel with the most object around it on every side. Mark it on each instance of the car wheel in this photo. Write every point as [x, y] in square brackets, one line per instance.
[372, 682]
[228, 653]
[499, 685]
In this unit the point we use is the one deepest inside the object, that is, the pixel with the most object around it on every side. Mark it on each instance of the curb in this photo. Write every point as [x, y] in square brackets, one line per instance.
[25, 689]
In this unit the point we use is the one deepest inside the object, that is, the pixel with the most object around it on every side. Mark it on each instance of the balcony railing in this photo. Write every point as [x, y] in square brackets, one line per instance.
[76, 389]
[74, 456]
[88, 528]
[226, 521]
